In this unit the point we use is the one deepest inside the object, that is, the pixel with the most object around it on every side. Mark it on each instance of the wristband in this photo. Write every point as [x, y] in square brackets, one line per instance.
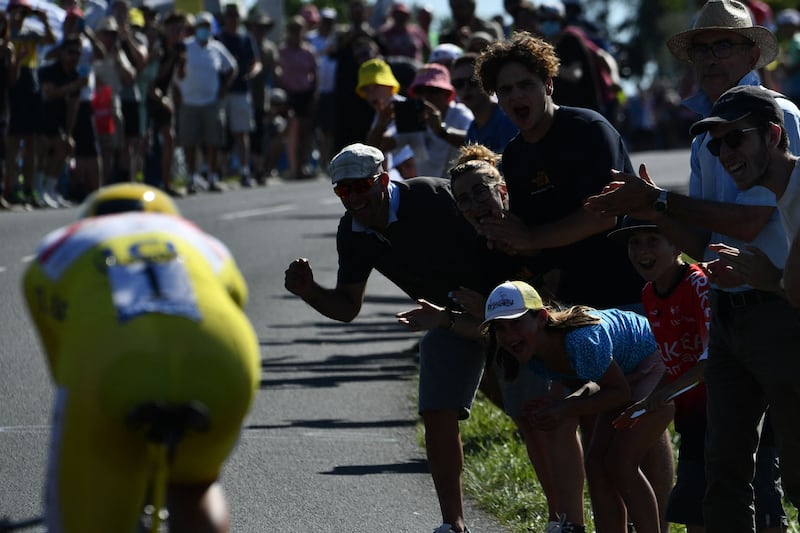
[452, 316]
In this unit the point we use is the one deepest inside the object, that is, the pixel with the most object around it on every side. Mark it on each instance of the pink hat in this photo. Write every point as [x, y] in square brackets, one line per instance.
[433, 75]
[401, 8]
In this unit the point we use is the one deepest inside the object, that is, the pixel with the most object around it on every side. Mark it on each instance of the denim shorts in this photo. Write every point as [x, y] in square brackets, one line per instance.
[450, 370]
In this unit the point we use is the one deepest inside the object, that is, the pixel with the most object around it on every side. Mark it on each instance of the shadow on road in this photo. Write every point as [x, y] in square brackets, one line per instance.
[417, 466]
[334, 423]
[337, 369]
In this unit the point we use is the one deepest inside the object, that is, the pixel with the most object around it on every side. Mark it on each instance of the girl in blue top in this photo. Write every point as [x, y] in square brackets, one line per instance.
[609, 359]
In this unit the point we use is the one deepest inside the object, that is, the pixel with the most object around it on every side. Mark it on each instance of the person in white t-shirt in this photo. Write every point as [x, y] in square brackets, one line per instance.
[203, 78]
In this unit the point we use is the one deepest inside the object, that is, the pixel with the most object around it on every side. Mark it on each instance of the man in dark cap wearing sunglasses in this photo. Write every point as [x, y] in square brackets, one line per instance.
[724, 50]
[748, 136]
[412, 233]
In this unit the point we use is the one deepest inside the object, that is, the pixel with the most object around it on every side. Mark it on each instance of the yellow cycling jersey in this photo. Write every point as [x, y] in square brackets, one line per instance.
[93, 277]
[135, 308]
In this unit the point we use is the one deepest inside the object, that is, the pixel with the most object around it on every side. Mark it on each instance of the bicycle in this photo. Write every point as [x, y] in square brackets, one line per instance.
[164, 426]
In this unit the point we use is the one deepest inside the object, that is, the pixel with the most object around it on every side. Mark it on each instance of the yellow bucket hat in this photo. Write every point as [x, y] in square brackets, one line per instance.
[377, 72]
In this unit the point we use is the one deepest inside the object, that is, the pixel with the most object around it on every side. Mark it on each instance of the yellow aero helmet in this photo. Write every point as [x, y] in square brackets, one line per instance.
[124, 197]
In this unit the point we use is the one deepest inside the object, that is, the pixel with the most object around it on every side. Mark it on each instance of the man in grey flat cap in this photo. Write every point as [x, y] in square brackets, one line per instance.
[412, 233]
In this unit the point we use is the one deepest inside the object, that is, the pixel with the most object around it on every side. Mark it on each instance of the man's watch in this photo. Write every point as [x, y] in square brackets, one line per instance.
[660, 204]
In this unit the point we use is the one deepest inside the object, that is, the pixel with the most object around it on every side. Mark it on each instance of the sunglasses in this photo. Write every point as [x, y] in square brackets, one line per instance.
[717, 50]
[461, 83]
[480, 194]
[345, 188]
[732, 139]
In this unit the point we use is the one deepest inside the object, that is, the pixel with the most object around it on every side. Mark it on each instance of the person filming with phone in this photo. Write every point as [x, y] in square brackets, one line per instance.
[423, 121]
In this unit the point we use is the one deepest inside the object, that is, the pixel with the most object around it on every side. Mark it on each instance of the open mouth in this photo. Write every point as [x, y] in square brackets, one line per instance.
[646, 265]
[521, 112]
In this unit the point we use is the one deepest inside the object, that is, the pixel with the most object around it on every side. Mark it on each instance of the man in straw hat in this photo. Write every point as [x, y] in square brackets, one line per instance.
[724, 49]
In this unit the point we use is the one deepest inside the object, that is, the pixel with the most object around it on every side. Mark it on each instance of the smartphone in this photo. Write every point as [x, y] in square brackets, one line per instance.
[81, 24]
[409, 115]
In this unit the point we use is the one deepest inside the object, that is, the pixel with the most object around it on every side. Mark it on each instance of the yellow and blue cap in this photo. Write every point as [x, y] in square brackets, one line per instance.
[510, 300]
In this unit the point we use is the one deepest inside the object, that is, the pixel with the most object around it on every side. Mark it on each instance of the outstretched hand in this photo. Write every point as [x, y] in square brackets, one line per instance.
[750, 265]
[426, 316]
[626, 194]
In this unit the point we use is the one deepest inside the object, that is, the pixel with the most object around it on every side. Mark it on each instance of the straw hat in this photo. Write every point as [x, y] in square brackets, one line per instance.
[726, 15]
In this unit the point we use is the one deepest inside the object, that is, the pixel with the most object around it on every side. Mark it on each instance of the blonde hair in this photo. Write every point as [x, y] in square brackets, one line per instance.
[567, 318]
[475, 157]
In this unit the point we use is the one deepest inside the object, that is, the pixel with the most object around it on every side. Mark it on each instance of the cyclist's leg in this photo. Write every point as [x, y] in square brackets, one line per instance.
[97, 473]
[198, 508]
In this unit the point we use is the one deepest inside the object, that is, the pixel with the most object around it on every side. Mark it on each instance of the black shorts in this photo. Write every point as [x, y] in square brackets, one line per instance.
[158, 114]
[84, 134]
[25, 106]
[131, 119]
[302, 103]
[326, 112]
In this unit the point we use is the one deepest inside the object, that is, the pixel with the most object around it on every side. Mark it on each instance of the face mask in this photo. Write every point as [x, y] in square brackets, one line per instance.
[550, 28]
[202, 34]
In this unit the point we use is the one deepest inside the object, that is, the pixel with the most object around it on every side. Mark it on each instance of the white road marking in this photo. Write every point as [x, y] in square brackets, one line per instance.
[258, 212]
[28, 258]
[2, 269]
[330, 201]
[330, 435]
[24, 429]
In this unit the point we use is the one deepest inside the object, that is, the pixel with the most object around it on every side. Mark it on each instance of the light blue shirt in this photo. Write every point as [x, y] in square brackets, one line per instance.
[710, 181]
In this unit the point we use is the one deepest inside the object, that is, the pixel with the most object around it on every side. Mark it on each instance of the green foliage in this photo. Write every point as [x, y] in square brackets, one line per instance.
[498, 475]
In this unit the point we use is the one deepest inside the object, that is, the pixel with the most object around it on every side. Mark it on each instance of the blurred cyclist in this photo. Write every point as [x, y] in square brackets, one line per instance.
[134, 304]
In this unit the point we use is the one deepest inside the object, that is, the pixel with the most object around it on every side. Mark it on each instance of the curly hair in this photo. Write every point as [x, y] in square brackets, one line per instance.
[535, 54]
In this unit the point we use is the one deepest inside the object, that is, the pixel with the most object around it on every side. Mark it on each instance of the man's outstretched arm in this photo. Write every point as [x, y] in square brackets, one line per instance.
[342, 303]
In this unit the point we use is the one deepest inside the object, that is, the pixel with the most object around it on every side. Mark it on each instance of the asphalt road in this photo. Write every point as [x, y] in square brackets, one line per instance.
[330, 442]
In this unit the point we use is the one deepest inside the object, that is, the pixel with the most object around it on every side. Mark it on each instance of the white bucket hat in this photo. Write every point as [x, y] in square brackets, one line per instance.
[726, 15]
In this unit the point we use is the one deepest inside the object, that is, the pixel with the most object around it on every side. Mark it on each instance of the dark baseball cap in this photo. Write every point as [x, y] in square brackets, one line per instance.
[741, 102]
[630, 226]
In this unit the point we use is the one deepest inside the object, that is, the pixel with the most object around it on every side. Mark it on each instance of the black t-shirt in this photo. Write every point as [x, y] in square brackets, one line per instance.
[55, 110]
[242, 49]
[550, 179]
[428, 251]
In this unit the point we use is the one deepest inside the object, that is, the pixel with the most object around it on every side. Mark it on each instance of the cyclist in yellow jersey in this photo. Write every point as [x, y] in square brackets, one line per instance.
[134, 304]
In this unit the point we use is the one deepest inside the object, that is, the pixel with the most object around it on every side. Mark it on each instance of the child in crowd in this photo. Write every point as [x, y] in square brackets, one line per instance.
[608, 358]
[675, 301]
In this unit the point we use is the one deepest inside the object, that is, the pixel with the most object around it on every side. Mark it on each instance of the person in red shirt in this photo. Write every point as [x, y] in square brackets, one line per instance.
[675, 301]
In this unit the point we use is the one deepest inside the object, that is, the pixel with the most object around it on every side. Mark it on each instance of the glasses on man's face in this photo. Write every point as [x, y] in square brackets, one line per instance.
[345, 188]
[717, 50]
[732, 139]
[462, 83]
[480, 193]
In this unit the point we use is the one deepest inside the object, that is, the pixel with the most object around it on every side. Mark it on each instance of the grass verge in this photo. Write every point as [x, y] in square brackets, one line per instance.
[499, 477]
